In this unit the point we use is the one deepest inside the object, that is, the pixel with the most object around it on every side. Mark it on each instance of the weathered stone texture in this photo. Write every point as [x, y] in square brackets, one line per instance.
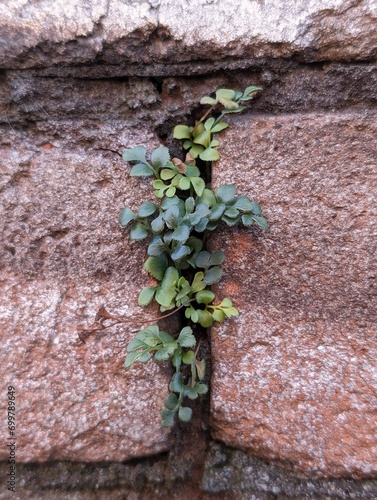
[248, 477]
[295, 376]
[287, 87]
[36, 34]
[62, 256]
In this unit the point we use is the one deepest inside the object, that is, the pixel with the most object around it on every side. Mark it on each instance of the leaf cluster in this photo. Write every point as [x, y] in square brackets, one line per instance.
[162, 346]
[177, 224]
[198, 140]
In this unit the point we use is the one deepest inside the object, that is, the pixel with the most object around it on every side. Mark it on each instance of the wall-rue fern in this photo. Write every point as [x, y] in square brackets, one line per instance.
[177, 224]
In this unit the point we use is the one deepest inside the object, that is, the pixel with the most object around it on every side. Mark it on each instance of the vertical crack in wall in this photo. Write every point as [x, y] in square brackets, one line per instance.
[191, 440]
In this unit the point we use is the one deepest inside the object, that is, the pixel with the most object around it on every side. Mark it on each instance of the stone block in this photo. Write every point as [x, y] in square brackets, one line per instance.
[295, 375]
[155, 32]
[63, 255]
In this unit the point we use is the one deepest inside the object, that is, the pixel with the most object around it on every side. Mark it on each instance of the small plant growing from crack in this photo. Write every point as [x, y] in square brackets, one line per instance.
[177, 225]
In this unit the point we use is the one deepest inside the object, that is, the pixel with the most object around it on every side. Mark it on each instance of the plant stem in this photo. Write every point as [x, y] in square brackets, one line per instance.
[203, 118]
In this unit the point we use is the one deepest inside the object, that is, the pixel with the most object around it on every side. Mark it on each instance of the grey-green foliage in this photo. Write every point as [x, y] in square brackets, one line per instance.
[199, 139]
[176, 225]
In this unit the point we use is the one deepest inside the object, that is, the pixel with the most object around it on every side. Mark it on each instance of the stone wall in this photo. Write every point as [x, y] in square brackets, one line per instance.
[292, 410]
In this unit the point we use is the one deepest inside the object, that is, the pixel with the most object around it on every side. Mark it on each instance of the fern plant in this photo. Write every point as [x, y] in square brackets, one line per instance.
[176, 225]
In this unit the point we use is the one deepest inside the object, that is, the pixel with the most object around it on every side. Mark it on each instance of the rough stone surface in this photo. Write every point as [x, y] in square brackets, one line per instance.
[228, 474]
[295, 376]
[30, 95]
[62, 256]
[234, 472]
[143, 34]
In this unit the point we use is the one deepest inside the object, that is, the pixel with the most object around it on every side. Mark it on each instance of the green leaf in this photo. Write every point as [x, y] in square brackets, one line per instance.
[217, 211]
[150, 330]
[201, 226]
[184, 184]
[190, 205]
[185, 413]
[198, 184]
[147, 208]
[134, 356]
[247, 220]
[212, 276]
[167, 237]
[163, 354]
[171, 216]
[218, 315]
[201, 211]
[208, 100]
[166, 338]
[250, 90]
[228, 104]
[138, 232]
[176, 383]
[207, 197]
[230, 312]
[181, 233]
[126, 216]
[167, 418]
[177, 358]
[158, 184]
[225, 93]
[141, 170]
[180, 252]
[205, 318]
[171, 401]
[195, 243]
[204, 297]
[181, 132]
[256, 208]
[226, 303]
[192, 314]
[160, 156]
[168, 202]
[261, 221]
[212, 225]
[198, 283]
[192, 171]
[201, 388]
[243, 203]
[189, 391]
[188, 357]
[219, 127]
[145, 357]
[156, 247]
[146, 295]
[158, 224]
[203, 259]
[217, 258]
[186, 338]
[167, 174]
[170, 192]
[225, 193]
[230, 222]
[203, 139]
[136, 344]
[208, 124]
[156, 266]
[165, 296]
[232, 212]
[170, 278]
[209, 154]
[195, 150]
[135, 154]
